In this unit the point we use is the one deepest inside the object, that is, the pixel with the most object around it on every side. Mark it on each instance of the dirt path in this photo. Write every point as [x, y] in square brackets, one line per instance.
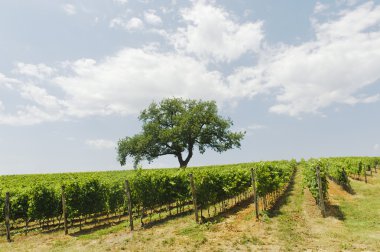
[289, 221]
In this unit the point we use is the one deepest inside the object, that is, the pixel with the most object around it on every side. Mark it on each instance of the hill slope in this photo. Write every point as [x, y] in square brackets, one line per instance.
[296, 224]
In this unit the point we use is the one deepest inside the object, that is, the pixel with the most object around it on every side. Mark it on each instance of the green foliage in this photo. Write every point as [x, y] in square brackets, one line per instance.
[337, 172]
[214, 186]
[357, 165]
[339, 168]
[310, 177]
[175, 126]
[38, 197]
[20, 205]
[90, 197]
[115, 197]
[94, 197]
[2, 209]
[74, 197]
[273, 175]
[102, 192]
[44, 203]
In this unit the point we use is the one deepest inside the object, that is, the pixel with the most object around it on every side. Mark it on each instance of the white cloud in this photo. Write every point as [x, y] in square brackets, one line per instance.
[7, 82]
[347, 2]
[122, 84]
[320, 7]
[333, 68]
[255, 126]
[131, 24]
[152, 18]
[128, 81]
[39, 71]
[211, 33]
[41, 97]
[350, 23]
[134, 24]
[252, 128]
[100, 144]
[40, 107]
[117, 22]
[69, 9]
[342, 60]
[29, 115]
[121, 1]
[371, 99]
[4, 79]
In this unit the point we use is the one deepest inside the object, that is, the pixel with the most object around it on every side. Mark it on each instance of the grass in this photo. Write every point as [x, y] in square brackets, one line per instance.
[106, 231]
[362, 214]
[168, 242]
[250, 239]
[289, 219]
[60, 245]
[196, 232]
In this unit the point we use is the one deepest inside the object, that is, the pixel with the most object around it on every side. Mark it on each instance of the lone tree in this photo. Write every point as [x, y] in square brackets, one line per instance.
[175, 127]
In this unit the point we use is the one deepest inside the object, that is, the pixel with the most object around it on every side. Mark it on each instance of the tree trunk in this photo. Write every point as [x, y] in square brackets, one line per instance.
[183, 163]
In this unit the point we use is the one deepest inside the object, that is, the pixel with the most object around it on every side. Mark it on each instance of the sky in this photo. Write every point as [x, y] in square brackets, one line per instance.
[302, 78]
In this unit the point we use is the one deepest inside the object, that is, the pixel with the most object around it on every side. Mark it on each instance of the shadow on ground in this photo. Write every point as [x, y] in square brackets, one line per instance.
[231, 211]
[89, 230]
[165, 219]
[334, 211]
[283, 199]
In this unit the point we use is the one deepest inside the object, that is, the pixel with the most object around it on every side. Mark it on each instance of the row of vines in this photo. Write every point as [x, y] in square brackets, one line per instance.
[38, 205]
[337, 169]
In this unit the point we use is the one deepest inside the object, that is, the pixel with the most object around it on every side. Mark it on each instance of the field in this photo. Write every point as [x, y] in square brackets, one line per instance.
[292, 221]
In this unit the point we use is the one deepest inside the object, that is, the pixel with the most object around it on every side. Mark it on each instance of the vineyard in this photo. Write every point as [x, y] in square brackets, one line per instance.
[36, 201]
[81, 201]
[317, 171]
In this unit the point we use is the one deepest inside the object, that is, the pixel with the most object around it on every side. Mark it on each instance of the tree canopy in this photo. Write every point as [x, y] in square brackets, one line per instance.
[176, 126]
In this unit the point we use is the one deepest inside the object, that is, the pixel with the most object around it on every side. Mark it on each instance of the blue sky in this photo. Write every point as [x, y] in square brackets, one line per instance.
[302, 78]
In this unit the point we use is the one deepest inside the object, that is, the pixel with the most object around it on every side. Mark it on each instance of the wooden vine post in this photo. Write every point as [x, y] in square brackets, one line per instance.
[64, 210]
[365, 175]
[321, 198]
[7, 213]
[129, 198]
[194, 194]
[255, 198]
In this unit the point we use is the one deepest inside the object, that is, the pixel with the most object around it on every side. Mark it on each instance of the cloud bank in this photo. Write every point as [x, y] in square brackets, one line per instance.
[333, 68]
